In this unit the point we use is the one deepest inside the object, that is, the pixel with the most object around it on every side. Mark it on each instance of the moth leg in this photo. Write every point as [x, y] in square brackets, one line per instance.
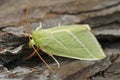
[52, 57]
[40, 26]
[1, 49]
[30, 56]
[25, 34]
[55, 60]
[42, 59]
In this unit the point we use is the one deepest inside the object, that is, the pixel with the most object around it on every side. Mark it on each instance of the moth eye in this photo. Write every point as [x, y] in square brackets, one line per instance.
[36, 47]
[30, 37]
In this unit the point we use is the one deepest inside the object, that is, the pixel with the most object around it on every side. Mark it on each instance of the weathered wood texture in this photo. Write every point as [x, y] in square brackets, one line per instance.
[102, 15]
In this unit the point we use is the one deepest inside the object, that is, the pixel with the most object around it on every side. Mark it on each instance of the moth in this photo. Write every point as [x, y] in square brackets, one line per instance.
[72, 41]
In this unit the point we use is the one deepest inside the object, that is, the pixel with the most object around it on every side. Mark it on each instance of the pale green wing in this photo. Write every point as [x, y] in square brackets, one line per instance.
[72, 41]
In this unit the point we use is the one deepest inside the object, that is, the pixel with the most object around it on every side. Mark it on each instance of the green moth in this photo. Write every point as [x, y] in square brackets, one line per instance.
[72, 41]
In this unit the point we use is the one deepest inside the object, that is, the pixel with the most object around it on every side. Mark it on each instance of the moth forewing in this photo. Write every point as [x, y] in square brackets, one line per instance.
[74, 41]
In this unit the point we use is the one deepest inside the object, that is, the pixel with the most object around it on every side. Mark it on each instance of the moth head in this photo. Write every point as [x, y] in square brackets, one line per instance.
[31, 43]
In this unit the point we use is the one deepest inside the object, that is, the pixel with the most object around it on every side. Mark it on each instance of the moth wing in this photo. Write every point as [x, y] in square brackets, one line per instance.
[77, 43]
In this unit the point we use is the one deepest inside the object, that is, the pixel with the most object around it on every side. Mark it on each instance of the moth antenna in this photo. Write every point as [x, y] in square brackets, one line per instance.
[42, 59]
[27, 20]
[52, 58]
[31, 55]
[40, 26]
